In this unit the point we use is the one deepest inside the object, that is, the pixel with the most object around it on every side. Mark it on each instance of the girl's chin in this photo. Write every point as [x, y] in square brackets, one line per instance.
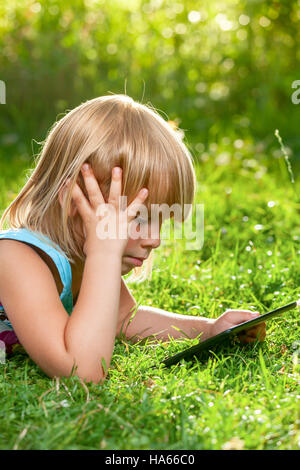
[126, 268]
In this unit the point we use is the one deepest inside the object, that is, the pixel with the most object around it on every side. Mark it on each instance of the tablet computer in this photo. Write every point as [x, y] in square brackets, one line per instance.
[210, 343]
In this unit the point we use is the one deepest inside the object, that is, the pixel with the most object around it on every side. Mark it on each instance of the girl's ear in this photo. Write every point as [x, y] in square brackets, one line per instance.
[61, 195]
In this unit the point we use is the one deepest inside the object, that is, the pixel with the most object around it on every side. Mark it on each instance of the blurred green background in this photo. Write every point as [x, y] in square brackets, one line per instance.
[223, 70]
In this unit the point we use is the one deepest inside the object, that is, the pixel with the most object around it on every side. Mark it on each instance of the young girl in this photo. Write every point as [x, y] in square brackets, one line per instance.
[61, 288]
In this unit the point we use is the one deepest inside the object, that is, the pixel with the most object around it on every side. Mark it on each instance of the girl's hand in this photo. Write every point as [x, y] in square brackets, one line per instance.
[94, 210]
[234, 317]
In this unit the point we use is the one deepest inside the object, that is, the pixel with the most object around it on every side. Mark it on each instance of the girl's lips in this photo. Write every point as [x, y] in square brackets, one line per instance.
[135, 261]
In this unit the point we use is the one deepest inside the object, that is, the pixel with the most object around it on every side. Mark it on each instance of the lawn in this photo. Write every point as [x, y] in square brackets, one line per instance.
[241, 397]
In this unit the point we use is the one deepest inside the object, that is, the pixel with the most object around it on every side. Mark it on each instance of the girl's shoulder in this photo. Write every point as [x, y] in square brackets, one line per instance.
[22, 245]
[33, 313]
[8, 247]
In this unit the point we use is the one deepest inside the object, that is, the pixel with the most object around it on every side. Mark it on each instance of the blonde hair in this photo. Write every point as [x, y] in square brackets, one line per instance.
[106, 131]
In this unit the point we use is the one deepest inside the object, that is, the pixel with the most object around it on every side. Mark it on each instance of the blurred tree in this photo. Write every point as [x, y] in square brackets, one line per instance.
[217, 68]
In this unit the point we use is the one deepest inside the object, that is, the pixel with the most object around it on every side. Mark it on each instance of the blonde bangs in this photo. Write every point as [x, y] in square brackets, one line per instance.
[151, 154]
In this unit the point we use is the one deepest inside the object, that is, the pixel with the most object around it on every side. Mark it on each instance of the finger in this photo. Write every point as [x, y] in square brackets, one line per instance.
[251, 339]
[241, 316]
[256, 329]
[246, 339]
[82, 204]
[252, 333]
[260, 331]
[255, 333]
[92, 186]
[137, 203]
[115, 187]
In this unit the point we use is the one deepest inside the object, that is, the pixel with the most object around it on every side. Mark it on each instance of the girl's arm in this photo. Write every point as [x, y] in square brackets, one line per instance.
[149, 321]
[153, 321]
[127, 306]
[91, 329]
[52, 338]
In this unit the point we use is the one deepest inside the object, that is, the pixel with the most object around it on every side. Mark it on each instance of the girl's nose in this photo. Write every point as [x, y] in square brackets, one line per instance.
[155, 242]
[152, 240]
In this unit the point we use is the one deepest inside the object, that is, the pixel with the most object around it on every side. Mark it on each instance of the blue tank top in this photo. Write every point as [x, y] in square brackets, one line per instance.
[54, 251]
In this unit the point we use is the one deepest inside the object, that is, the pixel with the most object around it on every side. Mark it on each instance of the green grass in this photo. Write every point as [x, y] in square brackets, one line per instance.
[240, 397]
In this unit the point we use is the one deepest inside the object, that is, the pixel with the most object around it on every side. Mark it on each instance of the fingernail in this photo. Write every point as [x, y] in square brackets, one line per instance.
[144, 192]
[117, 171]
[85, 167]
[68, 181]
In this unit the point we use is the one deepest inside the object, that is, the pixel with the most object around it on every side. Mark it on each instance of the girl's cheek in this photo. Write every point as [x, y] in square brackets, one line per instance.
[130, 243]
